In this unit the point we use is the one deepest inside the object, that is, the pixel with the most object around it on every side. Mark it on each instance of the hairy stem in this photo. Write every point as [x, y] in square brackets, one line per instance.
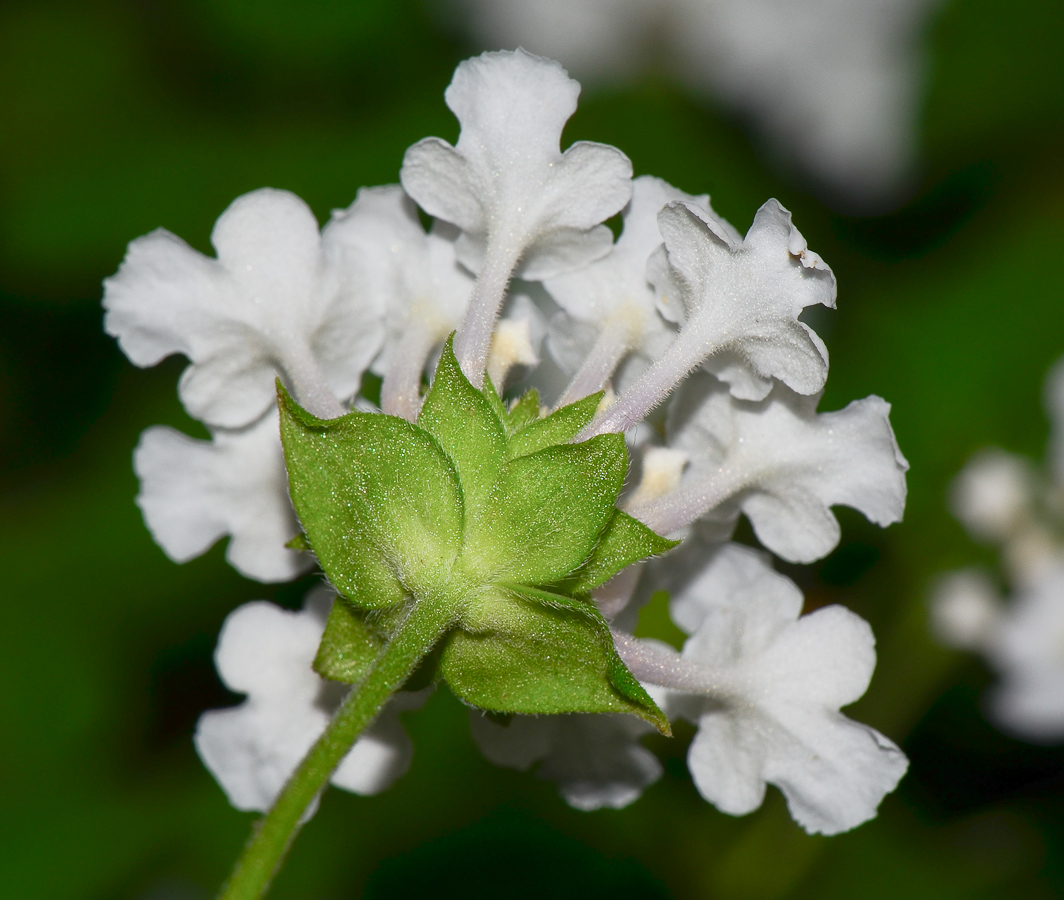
[401, 389]
[666, 668]
[684, 353]
[473, 339]
[274, 833]
[598, 367]
[307, 383]
[690, 501]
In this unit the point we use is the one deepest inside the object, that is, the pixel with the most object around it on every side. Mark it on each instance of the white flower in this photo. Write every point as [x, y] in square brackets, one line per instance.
[252, 749]
[523, 206]
[413, 276]
[764, 688]
[596, 760]
[782, 464]
[1028, 650]
[614, 297]
[194, 492]
[595, 39]
[680, 291]
[737, 300]
[276, 301]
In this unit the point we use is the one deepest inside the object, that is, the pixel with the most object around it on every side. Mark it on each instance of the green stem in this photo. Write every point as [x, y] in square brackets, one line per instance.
[274, 833]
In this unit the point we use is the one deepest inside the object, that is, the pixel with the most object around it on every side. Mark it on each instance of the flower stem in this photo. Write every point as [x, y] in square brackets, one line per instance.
[473, 339]
[274, 833]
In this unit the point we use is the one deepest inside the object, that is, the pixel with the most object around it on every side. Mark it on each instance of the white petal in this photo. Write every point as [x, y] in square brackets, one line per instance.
[771, 715]
[785, 465]
[1053, 398]
[252, 752]
[383, 754]
[194, 492]
[826, 658]
[703, 578]
[836, 771]
[746, 297]
[726, 760]
[272, 303]
[267, 651]
[965, 608]
[1028, 649]
[614, 290]
[832, 85]
[595, 38]
[506, 183]
[596, 760]
[517, 744]
[414, 275]
[252, 749]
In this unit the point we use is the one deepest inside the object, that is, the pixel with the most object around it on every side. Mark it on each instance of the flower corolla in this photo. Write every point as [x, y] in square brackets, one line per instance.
[764, 688]
[252, 749]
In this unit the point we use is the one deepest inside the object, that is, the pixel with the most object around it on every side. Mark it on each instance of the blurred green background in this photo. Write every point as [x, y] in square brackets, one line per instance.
[118, 117]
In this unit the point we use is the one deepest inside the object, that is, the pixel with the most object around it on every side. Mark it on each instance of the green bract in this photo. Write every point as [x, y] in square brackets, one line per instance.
[491, 516]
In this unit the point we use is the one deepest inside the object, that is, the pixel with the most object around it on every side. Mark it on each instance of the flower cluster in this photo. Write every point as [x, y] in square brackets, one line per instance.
[1006, 500]
[683, 334]
[832, 86]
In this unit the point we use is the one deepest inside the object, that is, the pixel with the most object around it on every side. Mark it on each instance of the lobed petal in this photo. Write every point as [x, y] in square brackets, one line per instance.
[273, 302]
[506, 183]
[195, 492]
[744, 296]
[596, 760]
[253, 749]
[784, 465]
[773, 715]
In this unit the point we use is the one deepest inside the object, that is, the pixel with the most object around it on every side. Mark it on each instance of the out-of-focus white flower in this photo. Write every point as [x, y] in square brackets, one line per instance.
[782, 464]
[596, 760]
[194, 492]
[965, 609]
[833, 85]
[267, 652]
[523, 206]
[1028, 651]
[1003, 499]
[1053, 399]
[992, 496]
[276, 301]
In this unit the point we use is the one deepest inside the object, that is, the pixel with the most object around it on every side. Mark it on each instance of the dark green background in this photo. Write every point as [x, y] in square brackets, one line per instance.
[119, 117]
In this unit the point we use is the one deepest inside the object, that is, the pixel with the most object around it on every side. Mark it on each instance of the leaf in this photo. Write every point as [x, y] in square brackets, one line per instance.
[349, 647]
[524, 412]
[378, 499]
[560, 427]
[546, 512]
[624, 541]
[300, 542]
[544, 659]
[462, 421]
[494, 401]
